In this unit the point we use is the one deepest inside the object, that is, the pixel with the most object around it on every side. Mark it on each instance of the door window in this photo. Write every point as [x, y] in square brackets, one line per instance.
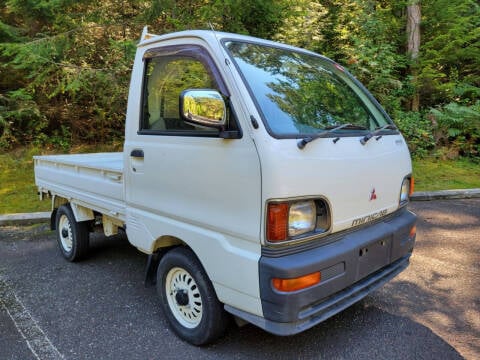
[165, 78]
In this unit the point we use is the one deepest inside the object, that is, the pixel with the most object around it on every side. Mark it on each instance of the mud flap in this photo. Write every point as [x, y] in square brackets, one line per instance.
[151, 268]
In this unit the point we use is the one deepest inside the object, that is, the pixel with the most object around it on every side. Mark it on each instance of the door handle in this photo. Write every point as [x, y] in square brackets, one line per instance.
[137, 153]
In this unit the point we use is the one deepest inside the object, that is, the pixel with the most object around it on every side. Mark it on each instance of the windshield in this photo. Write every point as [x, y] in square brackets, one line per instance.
[300, 94]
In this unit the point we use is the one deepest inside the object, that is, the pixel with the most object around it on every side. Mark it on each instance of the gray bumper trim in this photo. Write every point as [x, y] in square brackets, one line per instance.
[330, 306]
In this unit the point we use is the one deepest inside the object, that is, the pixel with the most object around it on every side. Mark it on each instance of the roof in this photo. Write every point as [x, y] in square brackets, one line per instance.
[210, 36]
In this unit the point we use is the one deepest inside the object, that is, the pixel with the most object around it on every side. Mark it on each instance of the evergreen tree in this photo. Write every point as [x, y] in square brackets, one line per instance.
[65, 65]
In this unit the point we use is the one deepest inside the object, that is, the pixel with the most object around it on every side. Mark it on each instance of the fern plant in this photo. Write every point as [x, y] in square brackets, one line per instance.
[459, 125]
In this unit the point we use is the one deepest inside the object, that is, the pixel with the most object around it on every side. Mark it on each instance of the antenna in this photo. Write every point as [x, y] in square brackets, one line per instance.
[210, 25]
[218, 41]
[214, 32]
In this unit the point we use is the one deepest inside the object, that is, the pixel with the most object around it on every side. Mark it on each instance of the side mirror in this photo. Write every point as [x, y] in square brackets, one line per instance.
[203, 107]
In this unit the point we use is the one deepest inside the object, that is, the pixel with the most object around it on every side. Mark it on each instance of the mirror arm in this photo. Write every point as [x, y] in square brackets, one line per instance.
[229, 134]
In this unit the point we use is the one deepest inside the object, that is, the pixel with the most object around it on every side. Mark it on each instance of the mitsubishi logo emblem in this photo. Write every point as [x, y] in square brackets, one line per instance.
[373, 195]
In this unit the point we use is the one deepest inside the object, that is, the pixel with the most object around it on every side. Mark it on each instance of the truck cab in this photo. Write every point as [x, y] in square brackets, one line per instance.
[262, 180]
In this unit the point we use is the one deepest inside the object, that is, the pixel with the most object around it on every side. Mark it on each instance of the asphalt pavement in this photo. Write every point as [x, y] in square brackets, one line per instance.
[99, 308]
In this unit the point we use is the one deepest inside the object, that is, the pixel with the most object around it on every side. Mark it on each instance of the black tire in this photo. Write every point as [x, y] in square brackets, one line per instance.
[192, 309]
[72, 236]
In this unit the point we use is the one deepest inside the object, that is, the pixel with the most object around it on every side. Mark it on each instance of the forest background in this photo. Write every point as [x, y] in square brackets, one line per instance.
[65, 64]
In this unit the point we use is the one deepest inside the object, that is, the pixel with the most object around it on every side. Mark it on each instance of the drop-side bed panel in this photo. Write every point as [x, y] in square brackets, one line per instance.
[92, 180]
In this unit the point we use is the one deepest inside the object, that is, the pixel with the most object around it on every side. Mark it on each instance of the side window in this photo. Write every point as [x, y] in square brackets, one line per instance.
[165, 78]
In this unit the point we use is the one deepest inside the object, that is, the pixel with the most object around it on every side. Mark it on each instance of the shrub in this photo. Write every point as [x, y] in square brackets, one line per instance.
[457, 127]
[20, 118]
[418, 131]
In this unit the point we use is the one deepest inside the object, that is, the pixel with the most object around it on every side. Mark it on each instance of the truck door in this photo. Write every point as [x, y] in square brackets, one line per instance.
[178, 174]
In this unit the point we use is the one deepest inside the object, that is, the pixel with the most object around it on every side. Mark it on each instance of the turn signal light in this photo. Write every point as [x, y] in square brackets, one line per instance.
[413, 232]
[277, 218]
[412, 186]
[294, 284]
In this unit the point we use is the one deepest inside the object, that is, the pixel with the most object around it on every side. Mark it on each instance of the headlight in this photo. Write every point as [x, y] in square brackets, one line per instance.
[405, 191]
[296, 219]
[301, 218]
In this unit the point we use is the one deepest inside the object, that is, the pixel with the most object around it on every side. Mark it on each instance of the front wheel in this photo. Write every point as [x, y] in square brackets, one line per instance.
[72, 236]
[188, 299]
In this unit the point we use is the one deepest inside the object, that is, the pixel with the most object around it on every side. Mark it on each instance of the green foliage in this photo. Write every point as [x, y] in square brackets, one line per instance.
[19, 118]
[65, 64]
[418, 131]
[8, 33]
[71, 60]
[362, 35]
[450, 55]
[369, 38]
[254, 17]
[72, 71]
[458, 127]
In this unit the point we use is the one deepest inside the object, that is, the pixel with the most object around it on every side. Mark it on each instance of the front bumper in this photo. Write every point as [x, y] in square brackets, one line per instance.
[351, 267]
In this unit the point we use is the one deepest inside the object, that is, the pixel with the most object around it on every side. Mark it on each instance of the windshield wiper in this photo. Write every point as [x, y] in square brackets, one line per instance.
[367, 137]
[301, 143]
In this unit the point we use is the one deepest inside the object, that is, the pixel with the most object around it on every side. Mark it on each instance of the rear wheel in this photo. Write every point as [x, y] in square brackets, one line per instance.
[188, 298]
[72, 236]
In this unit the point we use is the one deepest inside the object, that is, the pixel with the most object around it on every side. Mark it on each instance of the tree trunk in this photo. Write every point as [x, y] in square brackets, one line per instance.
[413, 47]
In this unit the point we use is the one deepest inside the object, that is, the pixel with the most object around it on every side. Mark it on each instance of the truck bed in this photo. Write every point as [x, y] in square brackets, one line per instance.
[91, 180]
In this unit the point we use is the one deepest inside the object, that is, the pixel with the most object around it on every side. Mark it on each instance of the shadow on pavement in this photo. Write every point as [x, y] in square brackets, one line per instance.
[360, 332]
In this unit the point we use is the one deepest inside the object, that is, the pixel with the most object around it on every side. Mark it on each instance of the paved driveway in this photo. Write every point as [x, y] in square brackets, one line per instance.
[99, 309]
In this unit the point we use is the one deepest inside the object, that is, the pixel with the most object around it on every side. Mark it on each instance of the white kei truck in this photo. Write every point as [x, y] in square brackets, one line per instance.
[263, 181]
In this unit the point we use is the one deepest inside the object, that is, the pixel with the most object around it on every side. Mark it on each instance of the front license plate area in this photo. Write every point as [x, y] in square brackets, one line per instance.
[373, 257]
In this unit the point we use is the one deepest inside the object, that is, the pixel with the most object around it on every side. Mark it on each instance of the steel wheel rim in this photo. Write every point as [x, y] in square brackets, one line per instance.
[179, 283]
[65, 233]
